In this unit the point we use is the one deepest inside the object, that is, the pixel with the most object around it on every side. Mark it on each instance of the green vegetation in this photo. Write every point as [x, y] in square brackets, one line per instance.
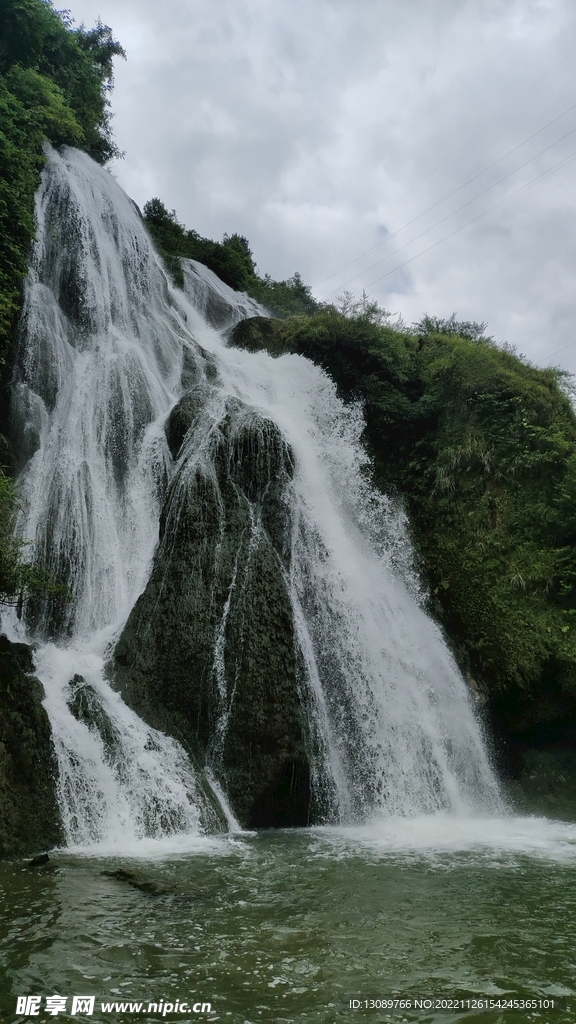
[17, 577]
[231, 259]
[54, 85]
[479, 445]
[482, 448]
[29, 815]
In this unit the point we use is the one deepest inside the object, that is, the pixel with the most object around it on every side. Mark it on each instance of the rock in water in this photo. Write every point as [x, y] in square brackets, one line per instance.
[39, 861]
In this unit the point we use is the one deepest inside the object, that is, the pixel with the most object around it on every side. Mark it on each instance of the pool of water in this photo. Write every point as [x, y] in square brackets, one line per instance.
[290, 926]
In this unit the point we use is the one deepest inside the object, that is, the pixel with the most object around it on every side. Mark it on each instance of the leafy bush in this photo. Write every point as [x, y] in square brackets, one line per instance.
[284, 298]
[54, 85]
[429, 325]
[231, 259]
[17, 577]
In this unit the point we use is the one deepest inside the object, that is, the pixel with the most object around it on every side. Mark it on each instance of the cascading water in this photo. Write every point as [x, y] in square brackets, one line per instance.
[99, 365]
[107, 348]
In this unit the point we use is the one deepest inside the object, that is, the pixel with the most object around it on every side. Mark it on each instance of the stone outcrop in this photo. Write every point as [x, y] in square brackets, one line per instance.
[209, 653]
[29, 815]
[263, 334]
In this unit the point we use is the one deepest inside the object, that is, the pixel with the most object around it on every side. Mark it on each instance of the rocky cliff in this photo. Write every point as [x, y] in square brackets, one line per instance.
[29, 815]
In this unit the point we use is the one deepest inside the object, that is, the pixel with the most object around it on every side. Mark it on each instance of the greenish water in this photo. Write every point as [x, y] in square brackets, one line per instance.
[289, 926]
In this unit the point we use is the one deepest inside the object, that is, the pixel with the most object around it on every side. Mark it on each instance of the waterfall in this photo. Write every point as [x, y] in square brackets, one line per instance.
[397, 730]
[107, 350]
[98, 367]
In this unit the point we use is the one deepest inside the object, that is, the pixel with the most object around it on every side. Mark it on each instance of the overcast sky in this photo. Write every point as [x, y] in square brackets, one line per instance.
[325, 129]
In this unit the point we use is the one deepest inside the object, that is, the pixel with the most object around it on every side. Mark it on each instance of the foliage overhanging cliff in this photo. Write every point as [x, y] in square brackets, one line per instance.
[231, 259]
[54, 84]
[481, 446]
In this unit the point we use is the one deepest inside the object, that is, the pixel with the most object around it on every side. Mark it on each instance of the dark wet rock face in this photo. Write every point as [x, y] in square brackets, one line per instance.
[29, 815]
[209, 651]
[138, 881]
[263, 334]
[183, 415]
[39, 861]
[86, 706]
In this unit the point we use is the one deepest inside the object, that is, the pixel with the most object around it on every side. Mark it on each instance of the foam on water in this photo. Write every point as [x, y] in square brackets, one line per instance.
[119, 780]
[176, 846]
[446, 839]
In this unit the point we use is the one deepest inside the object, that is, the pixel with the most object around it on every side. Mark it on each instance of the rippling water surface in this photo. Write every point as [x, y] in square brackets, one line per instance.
[289, 926]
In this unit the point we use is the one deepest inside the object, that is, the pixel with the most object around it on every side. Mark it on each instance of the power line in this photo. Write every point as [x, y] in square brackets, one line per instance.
[566, 368]
[453, 212]
[454, 190]
[455, 151]
[563, 349]
[518, 191]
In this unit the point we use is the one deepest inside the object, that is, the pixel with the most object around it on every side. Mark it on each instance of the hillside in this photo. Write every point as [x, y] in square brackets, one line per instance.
[480, 446]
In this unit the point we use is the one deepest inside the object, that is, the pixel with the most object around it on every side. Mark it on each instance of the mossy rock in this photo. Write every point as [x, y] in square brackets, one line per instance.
[263, 334]
[545, 783]
[29, 815]
[209, 652]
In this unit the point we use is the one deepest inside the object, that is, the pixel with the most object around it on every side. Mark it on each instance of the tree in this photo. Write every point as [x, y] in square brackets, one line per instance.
[54, 85]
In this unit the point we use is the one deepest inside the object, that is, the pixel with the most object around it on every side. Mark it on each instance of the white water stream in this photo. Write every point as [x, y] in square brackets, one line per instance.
[103, 342]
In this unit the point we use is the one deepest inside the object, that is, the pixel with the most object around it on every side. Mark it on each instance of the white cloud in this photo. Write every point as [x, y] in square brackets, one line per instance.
[309, 128]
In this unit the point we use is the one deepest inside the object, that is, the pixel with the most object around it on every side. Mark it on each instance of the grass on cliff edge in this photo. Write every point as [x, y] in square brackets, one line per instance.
[231, 259]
